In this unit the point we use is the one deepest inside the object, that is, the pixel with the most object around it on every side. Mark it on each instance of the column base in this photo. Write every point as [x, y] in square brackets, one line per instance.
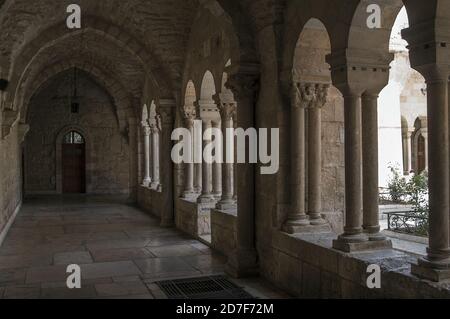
[146, 183]
[205, 199]
[243, 263]
[357, 243]
[317, 221]
[431, 270]
[227, 204]
[302, 229]
[156, 186]
[189, 195]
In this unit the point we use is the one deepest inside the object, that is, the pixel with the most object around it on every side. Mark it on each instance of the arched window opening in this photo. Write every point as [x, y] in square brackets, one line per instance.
[73, 138]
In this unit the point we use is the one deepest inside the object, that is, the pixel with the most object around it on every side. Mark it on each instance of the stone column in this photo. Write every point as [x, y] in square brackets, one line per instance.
[235, 179]
[438, 252]
[189, 167]
[425, 138]
[217, 169]
[206, 196]
[407, 149]
[166, 120]
[244, 259]
[315, 155]
[353, 175]
[302, 97]
[197, 141]
[227, 111]
[155, 152]
[371, 223]
[146, 132]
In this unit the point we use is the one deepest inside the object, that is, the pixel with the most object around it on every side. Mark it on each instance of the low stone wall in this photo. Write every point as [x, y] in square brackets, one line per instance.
[193, 218]
[307, 267]
[223, 231]
[150, 200]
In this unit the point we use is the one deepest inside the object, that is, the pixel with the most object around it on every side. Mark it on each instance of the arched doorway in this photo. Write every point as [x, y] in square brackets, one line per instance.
[73, 163]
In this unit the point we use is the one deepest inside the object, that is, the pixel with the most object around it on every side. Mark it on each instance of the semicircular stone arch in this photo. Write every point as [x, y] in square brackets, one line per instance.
[122, 99]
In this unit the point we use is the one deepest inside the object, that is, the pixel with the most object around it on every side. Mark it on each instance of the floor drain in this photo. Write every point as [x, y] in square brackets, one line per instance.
[212, 287]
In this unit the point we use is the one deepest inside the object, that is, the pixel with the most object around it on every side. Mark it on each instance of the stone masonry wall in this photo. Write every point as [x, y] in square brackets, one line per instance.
[49, 113]
[10, 176]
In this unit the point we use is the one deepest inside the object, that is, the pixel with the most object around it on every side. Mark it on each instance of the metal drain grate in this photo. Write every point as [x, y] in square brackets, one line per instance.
[213, 287]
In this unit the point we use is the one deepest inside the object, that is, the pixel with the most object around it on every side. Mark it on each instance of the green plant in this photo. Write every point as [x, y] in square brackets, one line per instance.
[397, 185]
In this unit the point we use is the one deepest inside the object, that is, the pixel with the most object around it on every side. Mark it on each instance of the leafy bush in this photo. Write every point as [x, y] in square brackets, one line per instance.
[397, 185]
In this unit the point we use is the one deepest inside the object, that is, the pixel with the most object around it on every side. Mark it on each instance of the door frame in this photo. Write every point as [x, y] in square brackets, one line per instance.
[88, 157]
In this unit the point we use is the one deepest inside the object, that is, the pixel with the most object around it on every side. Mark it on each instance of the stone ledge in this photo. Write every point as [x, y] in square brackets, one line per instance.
[330, 272]
[363, 246]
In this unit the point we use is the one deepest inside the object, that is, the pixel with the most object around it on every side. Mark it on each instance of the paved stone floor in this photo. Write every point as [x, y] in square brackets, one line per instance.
[121, 250]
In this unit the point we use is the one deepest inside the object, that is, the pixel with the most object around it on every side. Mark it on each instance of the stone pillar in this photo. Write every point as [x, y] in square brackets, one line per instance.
[227, 111]
[407, 149]
[353, 174]
[302, 96]
[206, 196]
[217, 168]
[197, 141]
[146, 132]
[189, 167]
[155, 152]
[436, 265]
[425, 138]
[371, 223]
[244, 259]
[235, 179]
[315, 155]
[166, 120]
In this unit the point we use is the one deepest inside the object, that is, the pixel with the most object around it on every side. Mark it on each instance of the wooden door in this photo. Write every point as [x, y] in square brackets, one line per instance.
[73, 168]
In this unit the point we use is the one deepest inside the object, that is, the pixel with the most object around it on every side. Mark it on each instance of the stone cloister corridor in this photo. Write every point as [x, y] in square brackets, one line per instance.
[121, 250]
[146, 141]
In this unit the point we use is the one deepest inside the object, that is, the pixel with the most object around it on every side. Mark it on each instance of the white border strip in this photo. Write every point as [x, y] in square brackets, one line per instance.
[9, 224]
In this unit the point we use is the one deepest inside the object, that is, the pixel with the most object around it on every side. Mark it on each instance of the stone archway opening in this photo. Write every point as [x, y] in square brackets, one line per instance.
[317, 123]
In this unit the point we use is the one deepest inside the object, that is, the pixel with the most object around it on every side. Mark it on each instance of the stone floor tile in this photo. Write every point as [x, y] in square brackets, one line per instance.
[76, 257]
[22, 292]
[9, 277]
[85, 292]
[121, 254]
[118, 243]
[20, 261]
[109, 269]
[174, 251]
[46, 274]
[121, 289]
[157, 266]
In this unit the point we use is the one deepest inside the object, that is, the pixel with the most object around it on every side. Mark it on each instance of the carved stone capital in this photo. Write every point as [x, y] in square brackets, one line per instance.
[309, 95]
[146, 130]
[227, 110]
[243, 86]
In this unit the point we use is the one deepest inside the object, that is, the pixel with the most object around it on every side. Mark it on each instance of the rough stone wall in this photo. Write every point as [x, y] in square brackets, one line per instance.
[109, 152]
[10, 176]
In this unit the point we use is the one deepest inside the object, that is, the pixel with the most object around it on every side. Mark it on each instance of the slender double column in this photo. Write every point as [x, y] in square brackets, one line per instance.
[369, 115]
[217, 166]
[353, 231]
[227, 111]
[315, 154]
[146, 134]
[156, 182]
[302, 96]
[189, 167]
[206, 196]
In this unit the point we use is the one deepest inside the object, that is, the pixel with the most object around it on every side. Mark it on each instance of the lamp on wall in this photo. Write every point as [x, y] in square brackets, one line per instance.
[3, 84]
[74, 99]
